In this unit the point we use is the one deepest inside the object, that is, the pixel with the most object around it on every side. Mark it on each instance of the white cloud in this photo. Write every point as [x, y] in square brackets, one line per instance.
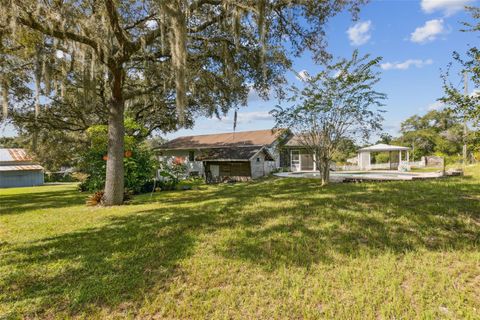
[254, 116]
[302, 75]
[448, 7]
[428, 32]
[359, 33]
[249, 117]
[418, 63]
[437, 105]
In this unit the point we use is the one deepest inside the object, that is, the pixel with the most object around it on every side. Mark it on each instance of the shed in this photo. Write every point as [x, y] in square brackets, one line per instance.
[364, 156]
[17, 169]
[234, 163]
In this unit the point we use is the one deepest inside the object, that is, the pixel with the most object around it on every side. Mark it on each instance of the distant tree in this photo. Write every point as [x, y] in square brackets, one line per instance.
[11, 142]
[385, 138]
[184, 57]
[346, 149]
[437, 132]
[338, 103]
[465, 106]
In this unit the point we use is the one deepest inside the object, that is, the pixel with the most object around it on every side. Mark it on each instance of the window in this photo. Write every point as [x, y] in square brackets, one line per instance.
[191, 155]
[258, 159]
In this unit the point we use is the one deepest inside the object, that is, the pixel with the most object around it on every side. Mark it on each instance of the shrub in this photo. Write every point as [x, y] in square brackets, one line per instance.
[139, 160]
[97, 198]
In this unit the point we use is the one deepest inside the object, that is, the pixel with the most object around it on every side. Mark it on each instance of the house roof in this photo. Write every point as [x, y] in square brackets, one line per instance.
[381, 147]
[233, 154]
[294, 141]
[237, 139]
[14, 155]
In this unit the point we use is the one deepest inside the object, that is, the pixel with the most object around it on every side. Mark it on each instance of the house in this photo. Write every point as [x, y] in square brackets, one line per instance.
[236, 155]
[18, 170]
[294, 157]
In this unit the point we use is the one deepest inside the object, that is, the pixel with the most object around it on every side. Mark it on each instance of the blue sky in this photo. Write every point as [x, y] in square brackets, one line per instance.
[415, 38]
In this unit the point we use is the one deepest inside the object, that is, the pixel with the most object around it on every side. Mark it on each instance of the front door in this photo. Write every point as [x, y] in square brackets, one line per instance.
[307, 162]
[295, 160]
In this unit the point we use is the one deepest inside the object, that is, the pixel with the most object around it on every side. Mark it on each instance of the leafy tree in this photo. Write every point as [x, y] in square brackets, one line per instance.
[338, 103]
[181, 58]
[385, 138]
[465, 106]
[437, 132]
[346, 149]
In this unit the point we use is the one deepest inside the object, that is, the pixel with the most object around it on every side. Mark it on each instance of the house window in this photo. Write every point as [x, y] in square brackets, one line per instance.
[191, 155]
[258, 159]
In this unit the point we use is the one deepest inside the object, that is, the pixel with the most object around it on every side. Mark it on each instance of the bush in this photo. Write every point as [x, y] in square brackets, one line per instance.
[171, 174]
[139, 161]
[60, 177]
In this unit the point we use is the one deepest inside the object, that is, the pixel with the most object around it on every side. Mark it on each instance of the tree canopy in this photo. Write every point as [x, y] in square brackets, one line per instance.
[166, 61]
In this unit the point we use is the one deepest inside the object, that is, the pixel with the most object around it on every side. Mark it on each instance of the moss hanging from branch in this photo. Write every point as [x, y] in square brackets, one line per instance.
[38, 80]
[4, 88]
[178, 39]
[261, 25]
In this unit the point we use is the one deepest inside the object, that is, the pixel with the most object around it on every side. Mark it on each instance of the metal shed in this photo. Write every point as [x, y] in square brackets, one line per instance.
[17, 169]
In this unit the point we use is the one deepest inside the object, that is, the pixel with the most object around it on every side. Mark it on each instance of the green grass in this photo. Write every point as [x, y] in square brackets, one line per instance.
[276, 248]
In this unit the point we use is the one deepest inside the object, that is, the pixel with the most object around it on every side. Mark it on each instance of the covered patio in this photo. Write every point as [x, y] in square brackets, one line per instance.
[396, 156]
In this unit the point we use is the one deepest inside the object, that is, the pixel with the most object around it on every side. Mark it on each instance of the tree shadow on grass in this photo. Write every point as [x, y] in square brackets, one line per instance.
[101, 267]
[357, 219]
[19, 203]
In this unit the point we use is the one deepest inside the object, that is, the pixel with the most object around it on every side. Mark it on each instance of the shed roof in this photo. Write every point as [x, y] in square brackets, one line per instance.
[233, 154]
[237, 139]
[381, 147]
[14, 155]
[22, 167]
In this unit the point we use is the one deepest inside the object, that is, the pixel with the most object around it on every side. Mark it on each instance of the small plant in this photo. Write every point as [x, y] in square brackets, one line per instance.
[97, 198]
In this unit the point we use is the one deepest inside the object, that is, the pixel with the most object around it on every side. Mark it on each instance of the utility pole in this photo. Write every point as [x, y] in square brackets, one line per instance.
[465, 129]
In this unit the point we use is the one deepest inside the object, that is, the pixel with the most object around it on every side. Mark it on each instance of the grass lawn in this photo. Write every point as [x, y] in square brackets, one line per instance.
[276, 248]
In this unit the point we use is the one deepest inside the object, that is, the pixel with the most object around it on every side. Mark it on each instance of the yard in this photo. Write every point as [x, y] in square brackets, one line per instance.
[276, 248]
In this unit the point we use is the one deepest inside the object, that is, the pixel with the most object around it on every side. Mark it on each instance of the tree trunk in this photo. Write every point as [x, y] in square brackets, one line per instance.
[114, 183]
[325, 172]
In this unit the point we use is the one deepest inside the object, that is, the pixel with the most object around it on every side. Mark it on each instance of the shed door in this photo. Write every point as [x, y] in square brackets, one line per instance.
[214, 170]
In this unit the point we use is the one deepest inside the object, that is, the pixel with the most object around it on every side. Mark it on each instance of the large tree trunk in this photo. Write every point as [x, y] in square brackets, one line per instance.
[114, 184]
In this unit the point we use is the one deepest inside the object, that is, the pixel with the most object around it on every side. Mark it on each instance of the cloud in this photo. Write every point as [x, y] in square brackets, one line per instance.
[359, 33]
[302, 75]
[418, 63]
[437, 105]
[428, 32]
[249, 117]
[253, 116]
[448, 7]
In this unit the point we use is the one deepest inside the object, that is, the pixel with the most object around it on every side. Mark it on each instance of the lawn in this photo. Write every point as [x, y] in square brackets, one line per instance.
[271, 249]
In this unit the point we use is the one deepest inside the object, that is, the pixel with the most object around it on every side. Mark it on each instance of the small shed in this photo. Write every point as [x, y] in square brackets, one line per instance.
[395, 156]
[234, 163]
[17, 169]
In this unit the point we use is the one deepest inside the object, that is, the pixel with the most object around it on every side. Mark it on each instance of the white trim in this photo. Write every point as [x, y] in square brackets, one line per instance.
[299, 160]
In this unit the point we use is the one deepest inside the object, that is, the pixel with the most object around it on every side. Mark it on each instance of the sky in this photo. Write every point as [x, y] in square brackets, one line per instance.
[416, 39]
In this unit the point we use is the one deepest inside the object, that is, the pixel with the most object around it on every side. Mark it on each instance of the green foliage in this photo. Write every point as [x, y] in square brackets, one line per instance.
[139, 161]
[338, 103]
[171, 174]
[435, 133]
